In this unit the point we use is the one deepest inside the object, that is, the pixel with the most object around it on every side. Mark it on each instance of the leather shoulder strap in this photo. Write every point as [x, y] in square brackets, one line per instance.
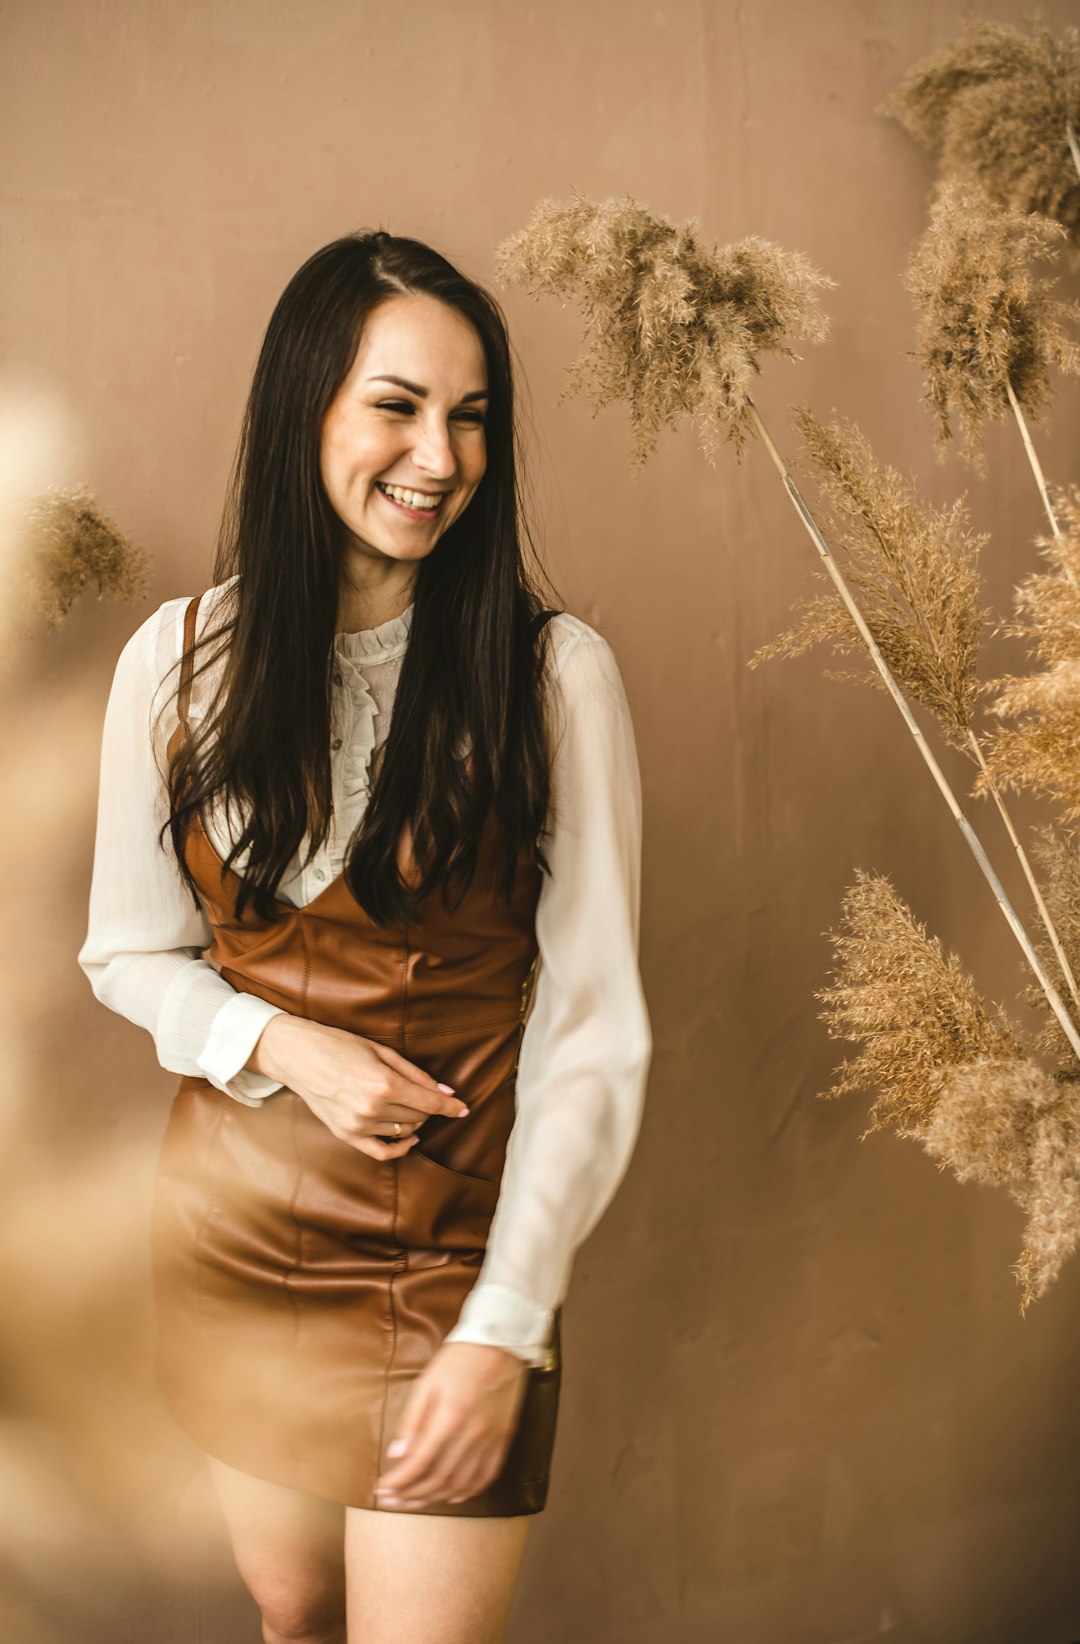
[183, 695]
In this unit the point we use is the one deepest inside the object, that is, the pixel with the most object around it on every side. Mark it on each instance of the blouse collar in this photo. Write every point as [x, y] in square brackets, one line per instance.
[381, 644]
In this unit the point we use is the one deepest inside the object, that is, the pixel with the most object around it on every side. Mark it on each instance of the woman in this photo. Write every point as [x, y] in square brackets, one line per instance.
[392, 954]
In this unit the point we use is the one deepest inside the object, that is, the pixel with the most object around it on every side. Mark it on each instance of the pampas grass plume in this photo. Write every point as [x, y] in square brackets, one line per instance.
[1011, 1124]
[986, 321]
[992, 107]
[673, 327]
[912, 1006]
[915, 568]
[71, 546]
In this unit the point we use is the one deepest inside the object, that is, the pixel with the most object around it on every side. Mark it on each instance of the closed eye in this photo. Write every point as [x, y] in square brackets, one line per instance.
[408, 408]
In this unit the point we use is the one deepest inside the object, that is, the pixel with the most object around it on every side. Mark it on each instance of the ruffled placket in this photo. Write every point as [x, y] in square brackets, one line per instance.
[355, 722]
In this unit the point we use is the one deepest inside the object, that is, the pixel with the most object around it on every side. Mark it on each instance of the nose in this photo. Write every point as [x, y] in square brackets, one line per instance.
[432, 450]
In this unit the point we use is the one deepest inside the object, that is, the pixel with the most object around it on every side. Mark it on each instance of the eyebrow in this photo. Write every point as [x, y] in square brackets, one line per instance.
[415, 388]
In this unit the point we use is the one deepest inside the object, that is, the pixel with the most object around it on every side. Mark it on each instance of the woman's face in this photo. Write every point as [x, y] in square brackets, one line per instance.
[403, 443]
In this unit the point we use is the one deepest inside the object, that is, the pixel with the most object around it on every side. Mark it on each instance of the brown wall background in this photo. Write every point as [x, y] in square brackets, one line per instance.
[800, 1404]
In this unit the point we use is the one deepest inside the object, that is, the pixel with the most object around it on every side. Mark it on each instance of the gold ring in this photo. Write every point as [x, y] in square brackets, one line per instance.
[397, 1130]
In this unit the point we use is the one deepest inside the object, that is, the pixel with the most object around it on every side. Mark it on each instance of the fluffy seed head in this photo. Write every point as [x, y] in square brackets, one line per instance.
[986, 320]
[673, 327]
[1011, 1124]
[70, 545]
[914, 570]
[992, 107]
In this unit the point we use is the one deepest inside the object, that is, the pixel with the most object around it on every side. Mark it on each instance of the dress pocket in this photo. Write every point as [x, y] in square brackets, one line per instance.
[442, 1209]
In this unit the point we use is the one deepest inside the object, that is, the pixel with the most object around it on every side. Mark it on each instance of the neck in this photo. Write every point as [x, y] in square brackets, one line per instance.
[373, 595]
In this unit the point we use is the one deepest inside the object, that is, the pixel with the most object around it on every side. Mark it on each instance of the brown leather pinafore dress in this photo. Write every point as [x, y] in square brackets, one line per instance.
[301, 1286]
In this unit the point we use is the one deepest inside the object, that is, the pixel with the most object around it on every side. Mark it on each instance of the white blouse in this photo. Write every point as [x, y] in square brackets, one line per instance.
[586, 1045]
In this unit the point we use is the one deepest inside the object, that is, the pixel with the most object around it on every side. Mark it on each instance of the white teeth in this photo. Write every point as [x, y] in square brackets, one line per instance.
[411, 499]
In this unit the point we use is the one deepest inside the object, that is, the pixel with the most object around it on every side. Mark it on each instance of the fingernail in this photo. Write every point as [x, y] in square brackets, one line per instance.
[396, 1447]
[462, 1114]
[449, 1089]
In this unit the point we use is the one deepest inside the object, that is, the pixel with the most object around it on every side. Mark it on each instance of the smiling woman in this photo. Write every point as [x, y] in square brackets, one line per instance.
[394, 930]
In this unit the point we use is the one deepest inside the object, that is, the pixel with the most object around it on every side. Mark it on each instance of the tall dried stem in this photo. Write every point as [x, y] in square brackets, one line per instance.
[1033, 460]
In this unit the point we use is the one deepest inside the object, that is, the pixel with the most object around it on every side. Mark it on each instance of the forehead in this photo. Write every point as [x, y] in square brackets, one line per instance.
[419, 337]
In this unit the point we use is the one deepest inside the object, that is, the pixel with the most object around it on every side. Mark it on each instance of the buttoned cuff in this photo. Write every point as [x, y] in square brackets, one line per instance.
[234, 1034]
[496, 1316]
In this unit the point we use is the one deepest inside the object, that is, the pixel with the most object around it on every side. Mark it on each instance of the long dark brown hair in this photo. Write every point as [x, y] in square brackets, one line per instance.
[472, 671]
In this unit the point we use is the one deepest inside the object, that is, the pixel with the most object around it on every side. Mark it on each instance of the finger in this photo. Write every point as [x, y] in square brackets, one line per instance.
[415, 1088]
[402, 1447]
[401, 1064]
[486, 1465]
[388, 1111]
[422, 1454]
[453, 1460]
[376, 1149]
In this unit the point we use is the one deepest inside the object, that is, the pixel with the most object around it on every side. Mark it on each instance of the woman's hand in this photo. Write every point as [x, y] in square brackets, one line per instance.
[459, 1419]
[358, 1088]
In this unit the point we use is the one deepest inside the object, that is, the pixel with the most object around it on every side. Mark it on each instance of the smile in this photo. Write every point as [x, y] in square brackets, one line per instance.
[424, 504]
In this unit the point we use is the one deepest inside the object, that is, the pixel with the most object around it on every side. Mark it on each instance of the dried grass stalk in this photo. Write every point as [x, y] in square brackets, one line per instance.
[916, 569]
[73, 546]
[673, 327]
[912, 1007]
[1011, 1124]
[987, 323]
[995, 107]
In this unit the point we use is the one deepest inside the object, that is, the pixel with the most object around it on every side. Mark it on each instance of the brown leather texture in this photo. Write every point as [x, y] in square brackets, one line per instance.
[300, 1285]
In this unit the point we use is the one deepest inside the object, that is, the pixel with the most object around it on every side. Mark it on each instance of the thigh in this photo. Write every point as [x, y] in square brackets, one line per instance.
[289, 1547]
[422, 1578]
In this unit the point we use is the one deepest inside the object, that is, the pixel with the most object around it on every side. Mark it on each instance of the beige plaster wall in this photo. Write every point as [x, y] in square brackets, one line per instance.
[800, 1405]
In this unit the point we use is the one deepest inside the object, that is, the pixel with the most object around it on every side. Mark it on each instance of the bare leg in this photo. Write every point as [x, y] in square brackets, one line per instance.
[415, 1578]
[289, 1549]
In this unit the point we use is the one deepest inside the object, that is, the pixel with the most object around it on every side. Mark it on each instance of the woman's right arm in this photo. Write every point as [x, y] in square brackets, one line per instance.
[145, 939]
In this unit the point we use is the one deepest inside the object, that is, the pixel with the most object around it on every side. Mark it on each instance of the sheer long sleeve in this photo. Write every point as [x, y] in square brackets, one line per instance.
[143, 952]
[587, 1043]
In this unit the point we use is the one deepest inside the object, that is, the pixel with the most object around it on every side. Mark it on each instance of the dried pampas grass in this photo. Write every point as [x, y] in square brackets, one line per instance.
[916, 570]
[677, 331]
[1042, 752]
[987, 324]
[912, 1005]
[71, 546]
[1010, 1124]
[996, 107]
[952, 1074]
[673, 327]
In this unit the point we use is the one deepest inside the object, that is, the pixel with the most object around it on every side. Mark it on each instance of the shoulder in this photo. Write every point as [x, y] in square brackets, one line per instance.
[575, 648]
[151, 657]
[581, 667]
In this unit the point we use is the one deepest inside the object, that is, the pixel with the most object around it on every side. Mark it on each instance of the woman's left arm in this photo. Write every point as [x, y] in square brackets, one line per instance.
[587, 1042]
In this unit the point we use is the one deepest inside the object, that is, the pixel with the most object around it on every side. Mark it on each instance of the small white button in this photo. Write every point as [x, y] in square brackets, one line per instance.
[336, 743]
[338, 680]
[319, 874]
